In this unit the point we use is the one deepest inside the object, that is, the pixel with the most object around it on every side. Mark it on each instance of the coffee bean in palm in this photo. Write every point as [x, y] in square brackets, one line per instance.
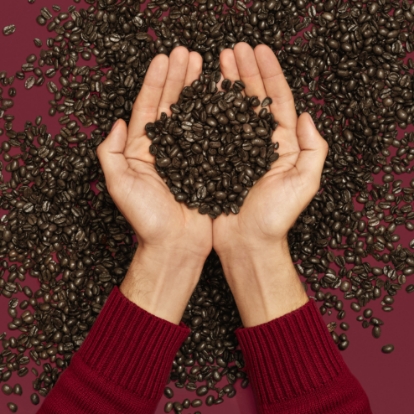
[387, 349]
[229, 159]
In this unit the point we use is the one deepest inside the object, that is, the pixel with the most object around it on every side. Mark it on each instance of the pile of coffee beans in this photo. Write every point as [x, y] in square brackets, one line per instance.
[214, 146]
[348, 64]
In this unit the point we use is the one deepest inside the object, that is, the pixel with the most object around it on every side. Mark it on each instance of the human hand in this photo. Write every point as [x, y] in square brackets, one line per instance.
[173, 241]
[252, 245]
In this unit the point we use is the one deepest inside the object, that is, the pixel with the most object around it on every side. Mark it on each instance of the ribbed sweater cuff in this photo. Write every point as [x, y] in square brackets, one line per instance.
[294, 353]
[150, 344]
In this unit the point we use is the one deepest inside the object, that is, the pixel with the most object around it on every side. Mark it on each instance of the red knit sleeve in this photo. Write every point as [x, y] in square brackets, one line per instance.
[123, 365]
[295, 367]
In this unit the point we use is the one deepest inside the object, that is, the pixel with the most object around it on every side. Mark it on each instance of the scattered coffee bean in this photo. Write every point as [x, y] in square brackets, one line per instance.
[387, 349]
[355, 307]
[344, 326]
[8, 30]
[34, 398]
[376, 331]
[18, 389]
[168, 407]
[76, 225]
[168, 392]
[7, 389]
[12, 407]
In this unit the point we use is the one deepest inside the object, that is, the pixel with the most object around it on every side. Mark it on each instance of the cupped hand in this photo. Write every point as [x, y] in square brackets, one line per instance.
[276, 200]
[173, 241]
[132, 181]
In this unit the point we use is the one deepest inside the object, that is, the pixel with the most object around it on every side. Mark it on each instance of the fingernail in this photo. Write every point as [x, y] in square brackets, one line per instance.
[114, 125]
[313, 123]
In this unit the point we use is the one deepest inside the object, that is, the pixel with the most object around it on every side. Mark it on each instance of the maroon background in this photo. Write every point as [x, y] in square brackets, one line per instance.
[388, 379]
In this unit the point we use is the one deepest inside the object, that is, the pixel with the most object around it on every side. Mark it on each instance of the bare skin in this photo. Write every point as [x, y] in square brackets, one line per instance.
[175, 241]
[252, 245]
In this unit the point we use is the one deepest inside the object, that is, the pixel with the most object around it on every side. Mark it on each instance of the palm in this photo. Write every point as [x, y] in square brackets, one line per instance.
[276, 200]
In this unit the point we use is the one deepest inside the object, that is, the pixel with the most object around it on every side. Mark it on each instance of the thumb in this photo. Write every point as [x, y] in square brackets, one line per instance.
[313, 151]
[111, 153]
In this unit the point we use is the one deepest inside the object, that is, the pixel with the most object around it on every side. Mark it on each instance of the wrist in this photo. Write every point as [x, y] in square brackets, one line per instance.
[264, 281]
[161, 281]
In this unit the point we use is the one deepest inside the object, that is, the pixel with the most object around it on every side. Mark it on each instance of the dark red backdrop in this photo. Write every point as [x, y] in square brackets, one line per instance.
[388, 379]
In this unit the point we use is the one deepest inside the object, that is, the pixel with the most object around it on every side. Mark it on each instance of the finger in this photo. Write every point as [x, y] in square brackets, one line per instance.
[145, 108]
[228, 65]
[111, 153]
[194, 68]
[277, 88]
[177, 69]
[313, 151]
[249, 70]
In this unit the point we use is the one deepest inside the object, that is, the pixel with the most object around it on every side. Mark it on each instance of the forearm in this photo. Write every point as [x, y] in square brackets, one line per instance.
[263, 281]
[161, 281]
[292, 362]
[124, 363]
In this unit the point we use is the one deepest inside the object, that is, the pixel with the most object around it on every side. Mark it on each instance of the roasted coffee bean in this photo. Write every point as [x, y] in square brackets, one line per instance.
[18, 389]
[168, 407]
[168, 392]
[7, 389]
[344, 326]
[367, 313]
[410, 288]
[30, 81]
[221, 168]
[387, 349]
[203, 390]
[377, 321]
[34, 398]
[389, 300]
[196, 403]
[360, 168]
[376, 331]
[210, 400]
[355, 307]
[8, 30]
[12, 407]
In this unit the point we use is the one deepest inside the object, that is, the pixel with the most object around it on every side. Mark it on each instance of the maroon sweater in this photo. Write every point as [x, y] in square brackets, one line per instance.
[124, 363]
